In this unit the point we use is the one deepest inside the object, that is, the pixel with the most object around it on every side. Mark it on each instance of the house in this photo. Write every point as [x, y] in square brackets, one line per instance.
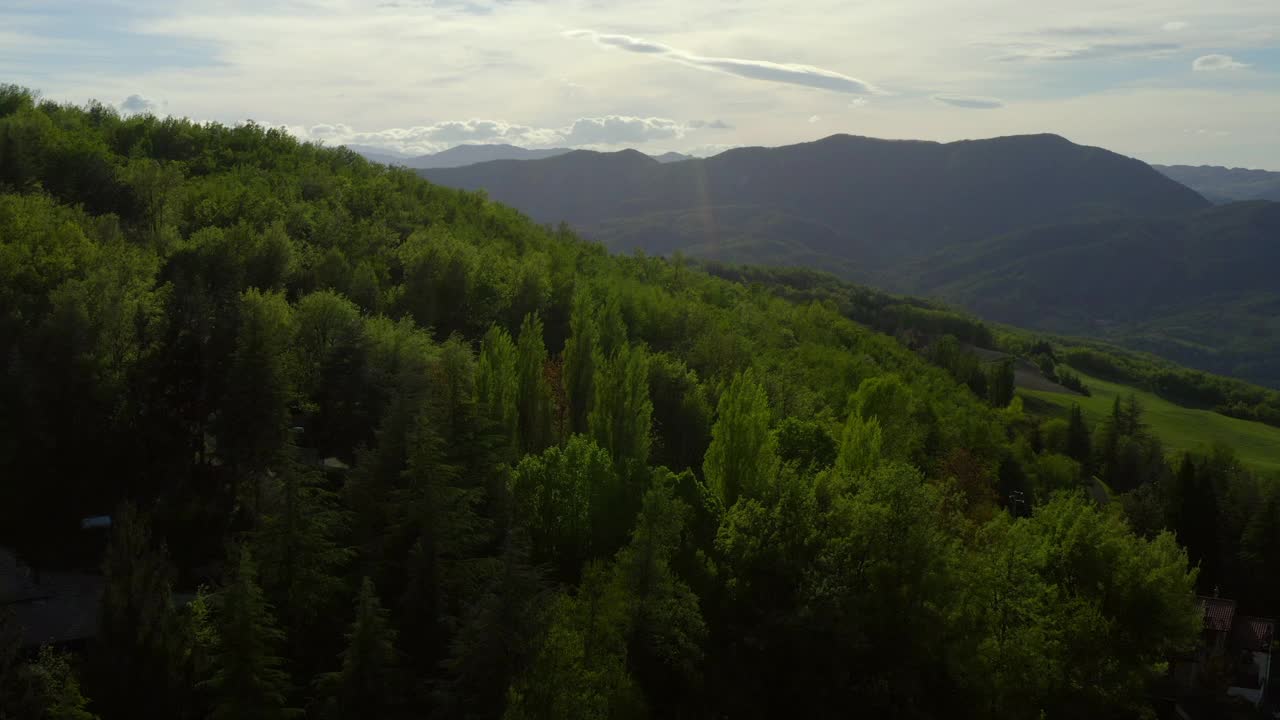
[1234, 654]
[1250, 658]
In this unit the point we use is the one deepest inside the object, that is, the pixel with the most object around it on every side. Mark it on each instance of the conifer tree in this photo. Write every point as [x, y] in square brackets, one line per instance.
[247, 680]
[366, 686]
[1078, 442]
[134, 655]
[299, 553]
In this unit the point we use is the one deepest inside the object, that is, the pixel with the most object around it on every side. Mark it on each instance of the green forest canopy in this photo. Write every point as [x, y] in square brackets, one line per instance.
[575, 485]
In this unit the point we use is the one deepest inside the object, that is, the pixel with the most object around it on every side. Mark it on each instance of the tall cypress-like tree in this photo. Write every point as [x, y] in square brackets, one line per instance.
[580, 353]
[742, 459]
[247, 680]
[497, 383]
[622, 413]
[533, 393]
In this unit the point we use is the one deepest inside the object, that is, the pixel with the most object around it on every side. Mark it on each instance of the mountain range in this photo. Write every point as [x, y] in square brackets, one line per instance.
[1224, 185]
[1034, 230]
[463, 155]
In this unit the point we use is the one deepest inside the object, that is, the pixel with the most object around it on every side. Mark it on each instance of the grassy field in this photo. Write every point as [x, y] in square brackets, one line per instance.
[1179, 428]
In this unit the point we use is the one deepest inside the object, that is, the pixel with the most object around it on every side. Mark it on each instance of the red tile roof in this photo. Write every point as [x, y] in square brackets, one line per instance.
[1218, 613]
[1254, 634]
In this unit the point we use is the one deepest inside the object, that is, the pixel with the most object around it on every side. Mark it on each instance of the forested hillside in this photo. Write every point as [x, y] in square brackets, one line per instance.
[1029, 230]
[376, 448]
[1200, 290]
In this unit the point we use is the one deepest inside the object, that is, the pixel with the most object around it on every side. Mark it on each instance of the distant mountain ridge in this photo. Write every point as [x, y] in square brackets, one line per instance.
[855, 205]
[463, 155]
[1224, 185]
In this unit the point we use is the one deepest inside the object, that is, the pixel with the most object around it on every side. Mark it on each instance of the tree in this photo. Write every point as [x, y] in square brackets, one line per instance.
[366, 685]
[681, 414]
[247, 679]
[254, 414]
[805, 443]
[621, 411]
[438, 518]
[1078, 445]
[56, 688]
[135, 655]
[1260, 553]
[331, 365]
[533, 394]
[742, 459]
[860, 445]
[1000, 383]
[580, 352]
[497, 381]
[1077, 614]
[299, 553]
[496, 635]
[45, 687]
[572, 503]
[895, 407]
[665, 629]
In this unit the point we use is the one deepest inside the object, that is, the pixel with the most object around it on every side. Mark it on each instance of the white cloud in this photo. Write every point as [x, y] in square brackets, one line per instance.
[1086, 51]
[970, 102]
[1210, 63]
[1175, 25]
[604, 131]
[616, 130]
[787, 73]
[813, 119]
[137, 104]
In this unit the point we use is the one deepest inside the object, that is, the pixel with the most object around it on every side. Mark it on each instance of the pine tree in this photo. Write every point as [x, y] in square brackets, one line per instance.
[494, 638]
[1260, 552]
[134, 656]
[1078, 446]
[247, 681]
[742, 459]
[665, 629]
[533, 406]
[366, 686]
[299, 554]
[440, 521]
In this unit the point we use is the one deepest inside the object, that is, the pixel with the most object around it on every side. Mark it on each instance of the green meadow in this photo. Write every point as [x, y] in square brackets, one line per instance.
[1179, 428]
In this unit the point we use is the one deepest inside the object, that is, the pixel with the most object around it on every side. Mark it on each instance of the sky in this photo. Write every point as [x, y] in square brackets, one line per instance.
[1167, 81]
